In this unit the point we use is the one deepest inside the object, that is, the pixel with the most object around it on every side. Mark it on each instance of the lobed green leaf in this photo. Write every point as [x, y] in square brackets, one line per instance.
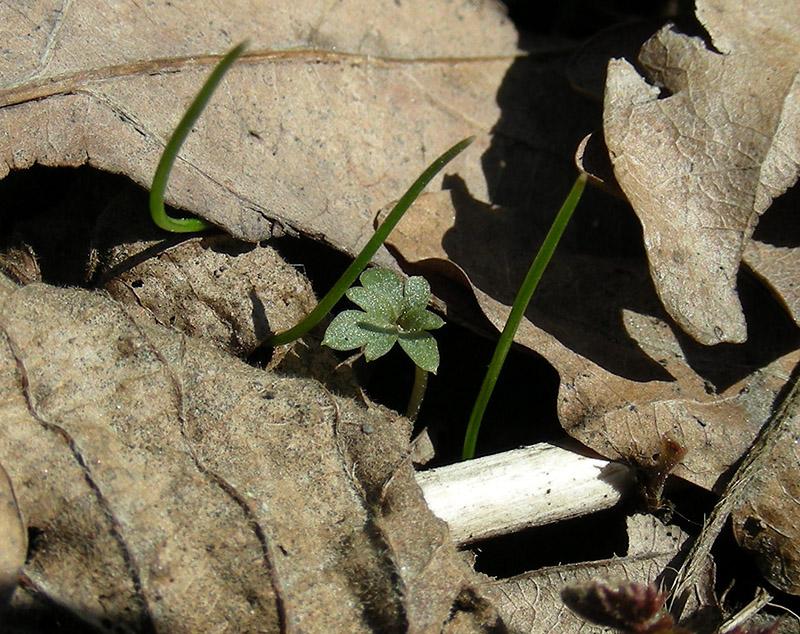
[370, 299]
[422, 348]
[417, 293]
[393, 309]
[345, 331]
[387, 285]
[380, 342]
[419, 319]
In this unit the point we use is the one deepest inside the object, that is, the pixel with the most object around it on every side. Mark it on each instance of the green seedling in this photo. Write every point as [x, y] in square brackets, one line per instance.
[336, 293]
[188, 225]
[157, 211]
[392, 312]
[518, 309]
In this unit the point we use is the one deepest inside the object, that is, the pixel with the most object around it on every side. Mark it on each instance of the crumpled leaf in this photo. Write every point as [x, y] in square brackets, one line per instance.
[628, 375]
[215, 287]
[309, 132]
[173, 488]
[532, 602]
[701, 164]
[767, 523]
[13, 540]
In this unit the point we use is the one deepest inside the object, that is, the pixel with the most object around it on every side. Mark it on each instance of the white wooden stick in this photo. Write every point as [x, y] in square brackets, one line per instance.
[532, 486]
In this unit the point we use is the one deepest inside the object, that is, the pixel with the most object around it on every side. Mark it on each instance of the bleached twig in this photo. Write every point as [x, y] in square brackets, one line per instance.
[517, 489]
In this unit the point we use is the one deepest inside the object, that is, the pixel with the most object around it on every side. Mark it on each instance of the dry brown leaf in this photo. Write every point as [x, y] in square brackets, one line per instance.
[701, 164]
[767, 521]
[173, 488]
[51, 40]
[532, 602]
[13, 540]
[315, 129]
[628, 375]
[217, 288]
[778, 267]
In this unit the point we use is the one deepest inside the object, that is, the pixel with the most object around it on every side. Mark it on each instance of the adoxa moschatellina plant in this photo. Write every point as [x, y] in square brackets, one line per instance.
[391, 312]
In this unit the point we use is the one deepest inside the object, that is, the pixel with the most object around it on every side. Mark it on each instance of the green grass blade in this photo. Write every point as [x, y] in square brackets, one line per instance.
[327, 303]
[157, 211]
[518, 309]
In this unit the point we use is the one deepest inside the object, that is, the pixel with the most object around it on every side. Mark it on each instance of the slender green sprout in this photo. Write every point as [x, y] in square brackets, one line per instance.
[327, 303]
[417, 393]
[518, 309]
[157, 211]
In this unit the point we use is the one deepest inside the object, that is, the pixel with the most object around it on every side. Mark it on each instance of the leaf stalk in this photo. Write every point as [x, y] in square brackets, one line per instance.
[417, 393]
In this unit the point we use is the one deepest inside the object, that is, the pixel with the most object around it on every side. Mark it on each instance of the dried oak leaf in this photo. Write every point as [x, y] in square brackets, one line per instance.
[173, 488]
[313, 130]
[13, 540]
[532, 602]
[214, 287]
[767, 522]
[628, 374]
[701, 164]
[778, 267]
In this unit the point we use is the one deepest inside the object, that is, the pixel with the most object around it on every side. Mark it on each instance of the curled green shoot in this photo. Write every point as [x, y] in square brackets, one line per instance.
[518, 309]
[157, 211]
[350, 275]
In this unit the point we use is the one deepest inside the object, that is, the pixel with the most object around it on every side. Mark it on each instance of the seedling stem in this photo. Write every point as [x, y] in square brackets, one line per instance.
[417, 393]
[518, 309]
